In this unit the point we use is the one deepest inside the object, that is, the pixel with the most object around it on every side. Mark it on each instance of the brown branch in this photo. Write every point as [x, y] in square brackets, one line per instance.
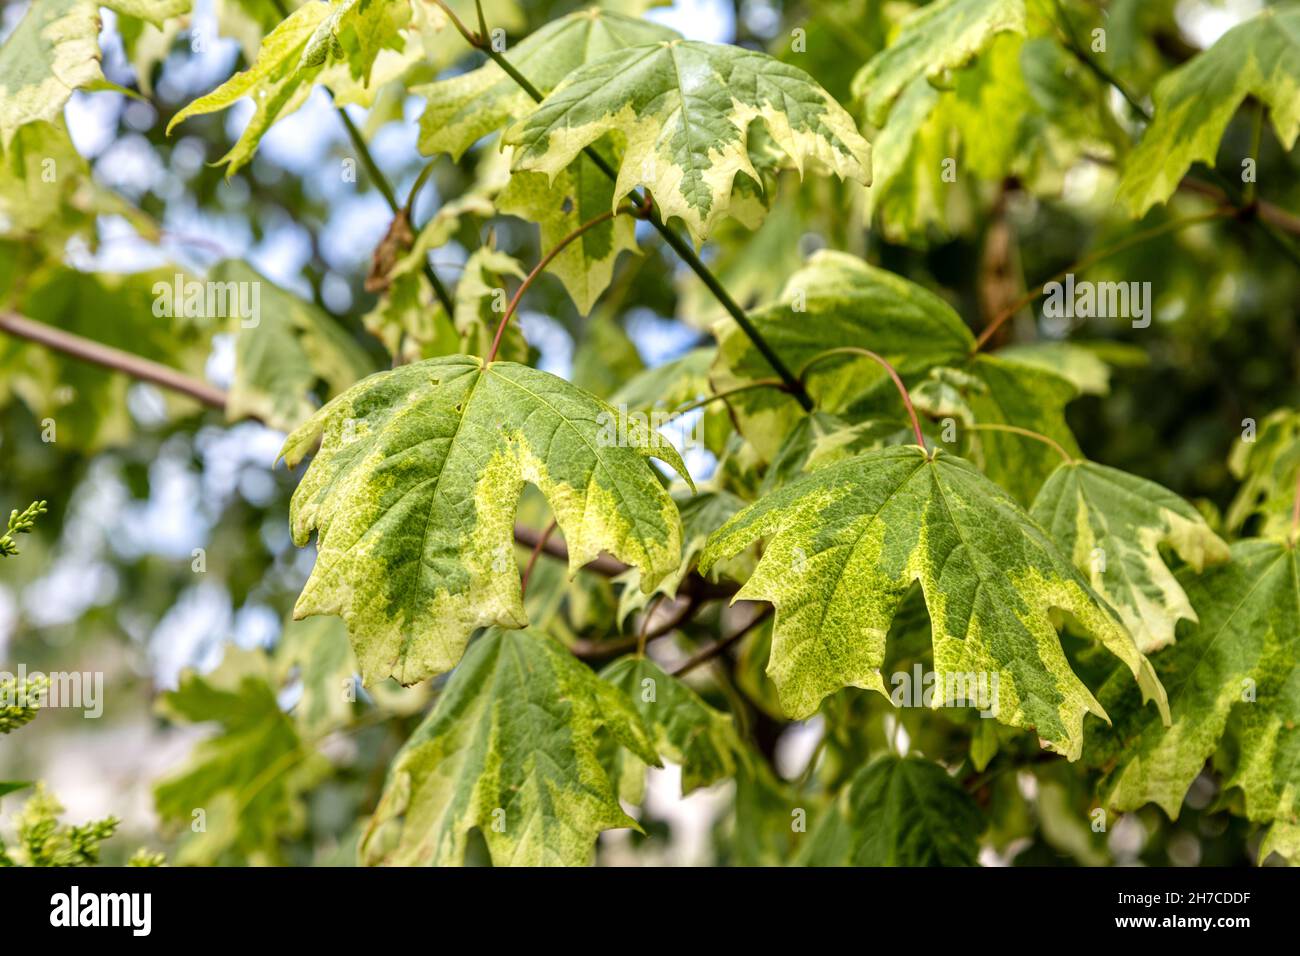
[532, 558]
[110, 358]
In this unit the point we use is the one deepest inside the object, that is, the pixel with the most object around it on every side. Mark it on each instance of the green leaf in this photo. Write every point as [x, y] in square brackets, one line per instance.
[463, 109]
[1267, 463]
[278, 83]
[1283, 838]
[1234, 690]
[510, 748]
[12, 786]
[1193, 104]
[836, 300]
[1112, 525]
[846, 543]
[684, 109]
[282, 351]
[337, 43]
[683, 729]
[414, 489]
[48, 195]
[940, 37]
[152, 11]
[53, 51]
[249, 779]
[898, 811]
[317, 653]
[1086, 366]
[577, 195]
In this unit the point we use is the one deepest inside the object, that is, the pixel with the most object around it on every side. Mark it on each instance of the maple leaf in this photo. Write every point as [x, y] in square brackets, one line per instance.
[53, 51]
[1112, 525]
[250, 778]
[846, 543]
[683, 728]
[463, 109]
[1193, 104]
[684, 108]
[1234, 694]
[413, 494]
[936, 39]
[1268, 467]
[511, 748]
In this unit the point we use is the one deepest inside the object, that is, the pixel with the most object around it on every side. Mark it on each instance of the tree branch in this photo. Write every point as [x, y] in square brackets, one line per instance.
[111, 358]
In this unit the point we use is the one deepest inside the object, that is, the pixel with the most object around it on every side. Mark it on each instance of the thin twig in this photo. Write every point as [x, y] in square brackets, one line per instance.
[883, 362]
[538, 269]
[604, 565]
[717, 647]
[728, 392]
[601, 650]
[532, 558]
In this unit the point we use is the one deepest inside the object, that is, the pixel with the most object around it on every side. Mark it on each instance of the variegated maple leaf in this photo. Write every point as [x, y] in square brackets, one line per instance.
[1193, 104]
[846, 543]
[510, 748]
[1234, 694]
[413, 495]
[53, 51]
[1112, 525]
[463, 109]
[683, 108]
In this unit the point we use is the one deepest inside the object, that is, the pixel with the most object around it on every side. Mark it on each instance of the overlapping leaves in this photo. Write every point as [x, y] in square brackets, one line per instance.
[1112, 524]
[413, 494]
[684, 109]
[846, 543]
[1234, 694]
